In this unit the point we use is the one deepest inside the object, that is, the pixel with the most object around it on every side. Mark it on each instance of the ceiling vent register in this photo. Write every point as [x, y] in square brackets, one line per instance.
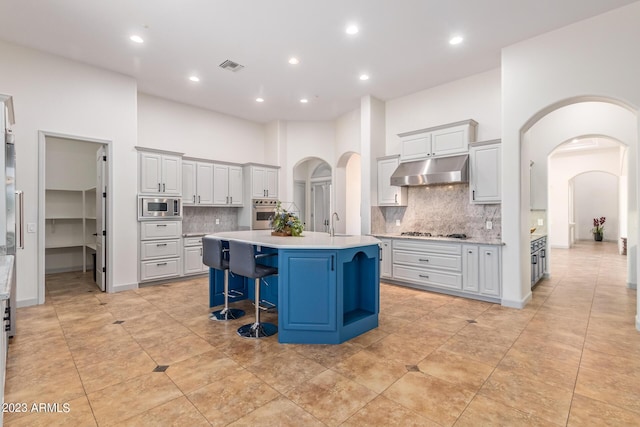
[231, 66]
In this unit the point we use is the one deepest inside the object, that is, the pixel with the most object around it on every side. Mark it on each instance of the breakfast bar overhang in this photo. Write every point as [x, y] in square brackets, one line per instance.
[327, 288]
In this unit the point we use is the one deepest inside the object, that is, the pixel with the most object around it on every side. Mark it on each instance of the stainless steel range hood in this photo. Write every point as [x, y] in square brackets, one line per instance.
[442, 170]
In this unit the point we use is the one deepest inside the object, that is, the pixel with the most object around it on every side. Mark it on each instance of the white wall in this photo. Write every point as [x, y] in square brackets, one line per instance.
[564, 167]
[592, 57]
[172, 126]
[476, 97]
[58, 95]
[596, 195]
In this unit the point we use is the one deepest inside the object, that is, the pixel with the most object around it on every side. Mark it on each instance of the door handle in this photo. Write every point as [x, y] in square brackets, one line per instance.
[423, 276]
[227, 199]
[473, 194]
[380, 253]
[159, 187]
[161, 225]
[194, 198]
[534, 259]
[396, 198]
[161, 244]
[164, 188]
[332, 263]
[198, 199]
[230, 200]
[160, 264]
[423, 259]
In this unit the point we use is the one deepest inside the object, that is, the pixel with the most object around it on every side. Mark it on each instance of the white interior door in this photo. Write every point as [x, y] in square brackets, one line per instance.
[101, 218]
[321, 192]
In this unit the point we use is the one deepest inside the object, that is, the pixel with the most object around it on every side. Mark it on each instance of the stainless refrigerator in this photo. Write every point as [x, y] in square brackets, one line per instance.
[12, 229]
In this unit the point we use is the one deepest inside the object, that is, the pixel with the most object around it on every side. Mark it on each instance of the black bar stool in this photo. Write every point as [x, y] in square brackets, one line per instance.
[243, 263]
[213, 255]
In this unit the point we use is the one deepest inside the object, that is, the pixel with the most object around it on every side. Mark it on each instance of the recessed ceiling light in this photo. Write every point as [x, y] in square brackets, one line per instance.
[294, 61]
[194, 78]
[304, 100]
[456, 40]
[259, 99]
[364, 77]
[352, 29]
[136, 39]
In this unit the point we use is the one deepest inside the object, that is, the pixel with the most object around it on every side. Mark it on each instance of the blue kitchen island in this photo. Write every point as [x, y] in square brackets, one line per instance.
[327, 290]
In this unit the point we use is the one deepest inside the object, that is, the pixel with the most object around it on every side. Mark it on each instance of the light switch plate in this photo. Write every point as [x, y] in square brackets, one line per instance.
[31, 227]
[398, 222]
[217, 221]
[540, 221]
[489, 225]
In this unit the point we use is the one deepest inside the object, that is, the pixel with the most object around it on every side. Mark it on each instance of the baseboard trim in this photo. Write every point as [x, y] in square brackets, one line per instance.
[27, 302]
[632, 285]
[519, 304]
[77, 268]
[125, 287]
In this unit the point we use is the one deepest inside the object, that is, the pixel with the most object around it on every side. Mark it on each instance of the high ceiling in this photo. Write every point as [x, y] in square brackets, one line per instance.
[403, 45]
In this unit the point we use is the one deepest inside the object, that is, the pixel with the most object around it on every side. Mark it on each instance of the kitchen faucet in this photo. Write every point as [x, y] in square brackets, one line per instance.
[332, 231]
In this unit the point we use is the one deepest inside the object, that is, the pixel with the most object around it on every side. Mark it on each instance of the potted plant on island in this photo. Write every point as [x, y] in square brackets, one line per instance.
[285, 223]
[598, 228]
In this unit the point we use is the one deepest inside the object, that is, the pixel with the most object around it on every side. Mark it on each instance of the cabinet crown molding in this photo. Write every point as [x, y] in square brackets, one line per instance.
[469, 122]
[157, 150]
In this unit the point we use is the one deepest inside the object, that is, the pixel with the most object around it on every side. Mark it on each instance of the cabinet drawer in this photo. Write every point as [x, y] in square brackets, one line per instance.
[161, 249]
[193, 241]
[429, 260]
[428, 277]
[160, 230]
[160, 269]
[425, 246]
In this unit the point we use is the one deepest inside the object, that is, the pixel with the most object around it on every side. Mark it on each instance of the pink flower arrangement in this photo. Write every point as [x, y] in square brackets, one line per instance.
[598, 225]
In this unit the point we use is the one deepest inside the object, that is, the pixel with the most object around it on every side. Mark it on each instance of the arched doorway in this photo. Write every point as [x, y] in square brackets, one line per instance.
[312, 192]
[348, 193]
[562, 122]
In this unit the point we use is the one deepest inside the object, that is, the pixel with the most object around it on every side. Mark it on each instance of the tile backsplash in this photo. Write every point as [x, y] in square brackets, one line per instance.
[441, 209]
[199, 219]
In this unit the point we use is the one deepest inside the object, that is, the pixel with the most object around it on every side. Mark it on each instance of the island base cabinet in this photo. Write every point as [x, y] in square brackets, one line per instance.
[326, 296]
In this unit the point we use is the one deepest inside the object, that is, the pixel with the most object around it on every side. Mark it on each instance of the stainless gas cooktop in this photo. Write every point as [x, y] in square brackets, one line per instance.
[426, 234]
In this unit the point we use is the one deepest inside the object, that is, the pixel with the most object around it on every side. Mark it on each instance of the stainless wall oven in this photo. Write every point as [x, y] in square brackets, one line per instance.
[261, 213]
[150, 207]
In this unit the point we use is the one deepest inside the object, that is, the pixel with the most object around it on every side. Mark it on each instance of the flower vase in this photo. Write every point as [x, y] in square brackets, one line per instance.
[598, 237]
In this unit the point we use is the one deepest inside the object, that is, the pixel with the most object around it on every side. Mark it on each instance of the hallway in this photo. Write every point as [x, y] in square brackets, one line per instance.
[152, 357]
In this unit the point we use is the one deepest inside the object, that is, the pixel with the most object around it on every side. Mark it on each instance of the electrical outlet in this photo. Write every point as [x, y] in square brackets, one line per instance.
[540, 221]
[489, 225]
[31, 227]
[398, 222]
[217, 221]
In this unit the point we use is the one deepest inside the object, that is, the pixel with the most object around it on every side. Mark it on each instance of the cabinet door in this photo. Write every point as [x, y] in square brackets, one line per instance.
[449, 141]
[188, 182]
[389, 194]
[470, 268]
[150, 173]
[193, 260]
[271, 183]
[204, 183]
[171, 174]
[308, 285]
[235, 185]
[416, 146]
[220, 184]
[490, 270]
[485, 165]
[386, 263]
[258, 176]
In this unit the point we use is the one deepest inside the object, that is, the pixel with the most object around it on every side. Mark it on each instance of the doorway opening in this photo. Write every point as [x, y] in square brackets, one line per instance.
[312, 183]
[348, 193]
[73, 218]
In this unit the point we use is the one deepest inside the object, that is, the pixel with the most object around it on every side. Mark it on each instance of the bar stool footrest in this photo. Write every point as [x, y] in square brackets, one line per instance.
[234, 294]
[266, 306]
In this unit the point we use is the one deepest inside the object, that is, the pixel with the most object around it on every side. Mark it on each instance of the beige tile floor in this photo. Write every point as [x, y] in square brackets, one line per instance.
[571, 357]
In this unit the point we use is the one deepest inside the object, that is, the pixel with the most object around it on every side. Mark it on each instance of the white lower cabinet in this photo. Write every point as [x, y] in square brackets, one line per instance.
[463, 269]
[192, 256]
[386, 266]
[160, 250]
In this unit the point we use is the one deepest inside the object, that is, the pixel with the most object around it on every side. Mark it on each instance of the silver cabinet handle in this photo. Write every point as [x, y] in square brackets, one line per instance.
[396, 198]
[423, 275]
[161, 264]
[230, 200]
[20, 195]
[164, 188]
[471, 252]
[423, 259]
[473, 195]
[159, 187]
[194, 198]
[488, 253]
[161, 225]
[198, 199]
[200, 251]
[161, 244]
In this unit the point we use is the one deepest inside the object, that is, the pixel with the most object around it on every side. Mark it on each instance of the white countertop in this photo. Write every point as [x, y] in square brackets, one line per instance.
[472, 240]
[6, 271]
[308, 240]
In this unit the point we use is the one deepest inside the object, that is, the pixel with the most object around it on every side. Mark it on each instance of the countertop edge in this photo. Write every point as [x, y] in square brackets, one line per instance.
[317, 240]
[471, 240]
[6, 273]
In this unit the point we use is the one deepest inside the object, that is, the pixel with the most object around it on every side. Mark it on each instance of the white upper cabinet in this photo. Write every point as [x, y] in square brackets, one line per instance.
[485, 172]
[264, 182]
[439, 141]
[227, 185]
[197, 183]
[160, 173]
[389, 195]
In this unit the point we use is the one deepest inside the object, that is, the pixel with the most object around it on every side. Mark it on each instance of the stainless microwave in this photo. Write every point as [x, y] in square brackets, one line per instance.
[150, 207]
